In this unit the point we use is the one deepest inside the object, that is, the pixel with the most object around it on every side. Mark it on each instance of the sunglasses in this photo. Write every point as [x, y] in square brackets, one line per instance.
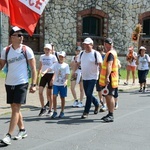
[18, 35]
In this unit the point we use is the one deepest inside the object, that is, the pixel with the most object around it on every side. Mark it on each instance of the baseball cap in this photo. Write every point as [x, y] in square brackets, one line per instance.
[49, 46]
[62, 53]
[88, 41]
[14, 29]
[108, 41]
[78, 48]
[142, 47]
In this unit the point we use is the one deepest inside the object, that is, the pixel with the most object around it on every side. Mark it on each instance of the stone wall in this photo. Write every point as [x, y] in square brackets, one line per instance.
[61, 21]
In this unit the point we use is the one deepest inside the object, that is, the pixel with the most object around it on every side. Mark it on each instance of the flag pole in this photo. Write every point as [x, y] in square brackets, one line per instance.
[0, 32]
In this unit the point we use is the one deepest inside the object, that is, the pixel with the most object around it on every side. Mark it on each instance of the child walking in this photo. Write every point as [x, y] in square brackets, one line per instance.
[61, 75]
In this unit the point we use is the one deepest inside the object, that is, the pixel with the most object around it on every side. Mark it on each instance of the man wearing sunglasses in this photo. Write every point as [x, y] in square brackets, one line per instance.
[16, 82]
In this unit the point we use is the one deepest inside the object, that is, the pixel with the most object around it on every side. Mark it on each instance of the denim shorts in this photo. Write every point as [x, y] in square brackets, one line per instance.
[16, 94]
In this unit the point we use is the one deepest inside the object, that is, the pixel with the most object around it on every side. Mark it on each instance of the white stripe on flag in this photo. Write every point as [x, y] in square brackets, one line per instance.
[35, 5]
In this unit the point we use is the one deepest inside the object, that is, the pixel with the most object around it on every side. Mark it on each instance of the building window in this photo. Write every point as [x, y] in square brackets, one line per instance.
[92, 26]
[146, 27]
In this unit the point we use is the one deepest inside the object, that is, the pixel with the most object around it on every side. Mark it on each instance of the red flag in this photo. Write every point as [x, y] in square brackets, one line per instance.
[4, 7]
[22, 16]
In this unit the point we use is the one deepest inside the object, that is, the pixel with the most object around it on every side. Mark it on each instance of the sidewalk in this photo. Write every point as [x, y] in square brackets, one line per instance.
[33, 99]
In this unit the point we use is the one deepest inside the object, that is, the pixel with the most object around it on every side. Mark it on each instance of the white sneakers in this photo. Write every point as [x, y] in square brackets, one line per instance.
[7, 140]
[21, 135]
[77, 104]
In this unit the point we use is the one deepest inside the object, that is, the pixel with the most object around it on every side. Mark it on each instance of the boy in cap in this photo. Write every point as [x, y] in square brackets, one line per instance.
[46, 61]
[16, 82]
[61, 74]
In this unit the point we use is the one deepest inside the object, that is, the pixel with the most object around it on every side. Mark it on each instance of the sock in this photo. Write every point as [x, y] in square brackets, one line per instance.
[110, 113]
[22, 130]
[9, 135]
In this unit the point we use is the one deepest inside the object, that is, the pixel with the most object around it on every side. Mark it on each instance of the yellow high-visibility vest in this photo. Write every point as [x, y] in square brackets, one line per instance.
[114, 72]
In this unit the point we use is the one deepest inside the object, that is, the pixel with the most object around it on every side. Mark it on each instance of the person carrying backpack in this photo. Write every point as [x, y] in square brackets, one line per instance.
[143, 61]
[16, 82]
[90, 62]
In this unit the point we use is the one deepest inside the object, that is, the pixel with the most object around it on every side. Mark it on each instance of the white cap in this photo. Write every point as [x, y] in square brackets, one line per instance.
[49, 46]
[14, 29]
[88, 41]
[62, 53]
[142, 47]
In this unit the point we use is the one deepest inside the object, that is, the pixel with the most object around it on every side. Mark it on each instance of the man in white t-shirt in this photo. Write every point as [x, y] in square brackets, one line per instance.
[90, 61]
[17, 57]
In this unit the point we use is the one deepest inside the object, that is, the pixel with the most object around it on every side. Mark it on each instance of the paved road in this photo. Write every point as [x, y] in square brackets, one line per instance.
[130, 131]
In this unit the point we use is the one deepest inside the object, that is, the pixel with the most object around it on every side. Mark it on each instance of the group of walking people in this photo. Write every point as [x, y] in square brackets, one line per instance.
[137, 62]
[89, 68]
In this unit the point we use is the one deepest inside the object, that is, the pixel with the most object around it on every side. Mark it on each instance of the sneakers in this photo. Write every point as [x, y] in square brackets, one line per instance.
[54, 115]
[47, 105]
[42, 112]
[6, 140]
[144, 90]
[140, 90]
[125, 83]
[84, 116]
[61, 115]
[108, 118]
[80, 104]
[21, 135]
[116, 106]
[96, 109]
[75, 104]
[50, 113]
[103, 108]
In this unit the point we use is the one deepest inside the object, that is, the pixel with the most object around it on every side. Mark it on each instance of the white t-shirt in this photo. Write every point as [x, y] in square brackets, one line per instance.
[47, 61]
[60, 71]
[17, 65]
[143, 62]
[89, 69]
[133, 63]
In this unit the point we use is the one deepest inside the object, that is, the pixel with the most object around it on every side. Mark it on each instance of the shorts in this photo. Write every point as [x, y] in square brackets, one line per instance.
[98, 87]
[142, 75]
[110, 89]
[131, 68]
[61, 90]
[46, 80]
[16, 94]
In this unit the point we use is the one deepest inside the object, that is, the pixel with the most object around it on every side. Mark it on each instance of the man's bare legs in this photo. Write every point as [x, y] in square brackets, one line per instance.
[16, 118]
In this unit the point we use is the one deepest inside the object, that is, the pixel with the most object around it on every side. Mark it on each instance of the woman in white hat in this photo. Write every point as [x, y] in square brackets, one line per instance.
[143, 61]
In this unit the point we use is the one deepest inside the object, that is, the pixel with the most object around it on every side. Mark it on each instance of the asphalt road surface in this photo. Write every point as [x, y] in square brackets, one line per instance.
[129, 131]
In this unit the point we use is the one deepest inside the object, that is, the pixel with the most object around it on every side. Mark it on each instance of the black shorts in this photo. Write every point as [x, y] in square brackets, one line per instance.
[98, 87]
[111, 90]
[46, 80]
[16, 94]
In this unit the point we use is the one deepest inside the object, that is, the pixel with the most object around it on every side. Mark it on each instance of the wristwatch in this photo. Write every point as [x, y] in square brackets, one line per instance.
[33, 85]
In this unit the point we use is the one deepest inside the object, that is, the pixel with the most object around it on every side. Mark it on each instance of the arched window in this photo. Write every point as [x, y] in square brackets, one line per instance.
[146, 27]
[92, 26]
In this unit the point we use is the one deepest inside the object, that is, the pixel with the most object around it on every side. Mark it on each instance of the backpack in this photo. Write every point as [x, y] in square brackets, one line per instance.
[96, 63]
[5, 69]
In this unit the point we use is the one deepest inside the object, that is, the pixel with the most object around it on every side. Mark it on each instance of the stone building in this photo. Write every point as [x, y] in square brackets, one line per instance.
[67, 22]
